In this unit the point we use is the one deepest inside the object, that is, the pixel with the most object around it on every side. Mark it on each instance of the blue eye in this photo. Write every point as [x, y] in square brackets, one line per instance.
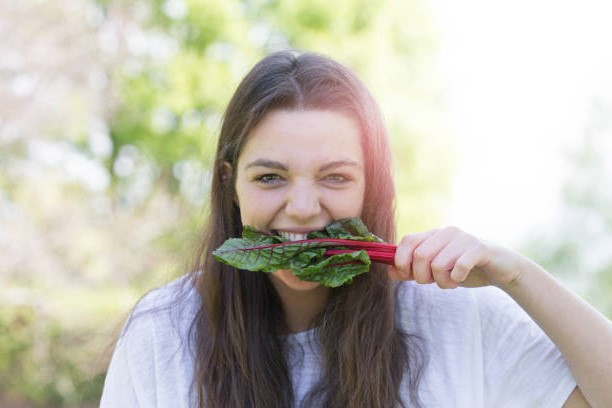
[336, 178]
[268, 178]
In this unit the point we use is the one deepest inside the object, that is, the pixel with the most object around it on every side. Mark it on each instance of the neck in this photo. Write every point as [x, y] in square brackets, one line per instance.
[300, 307]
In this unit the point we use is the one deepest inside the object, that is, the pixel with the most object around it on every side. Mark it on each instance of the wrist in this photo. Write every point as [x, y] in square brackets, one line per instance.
[523, 279]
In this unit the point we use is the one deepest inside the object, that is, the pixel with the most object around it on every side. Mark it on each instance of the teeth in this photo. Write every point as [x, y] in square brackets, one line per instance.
[292, 236]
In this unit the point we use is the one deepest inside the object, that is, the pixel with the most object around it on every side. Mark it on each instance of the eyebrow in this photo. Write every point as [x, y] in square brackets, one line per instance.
[340, 163]
[273, 164]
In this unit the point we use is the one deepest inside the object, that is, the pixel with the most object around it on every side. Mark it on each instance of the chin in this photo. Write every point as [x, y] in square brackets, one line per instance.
[287, 279]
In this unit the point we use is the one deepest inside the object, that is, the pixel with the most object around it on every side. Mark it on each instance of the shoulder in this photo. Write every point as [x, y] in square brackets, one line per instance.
[480, 341]
[153, 359]
[177, 293]
[162, 319]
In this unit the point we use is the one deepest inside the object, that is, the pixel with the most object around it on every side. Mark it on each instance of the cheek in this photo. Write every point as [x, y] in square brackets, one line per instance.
[257, 206]
[347, 203]
[358, 200]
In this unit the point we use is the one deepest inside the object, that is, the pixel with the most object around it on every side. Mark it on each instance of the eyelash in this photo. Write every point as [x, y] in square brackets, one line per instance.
[337, 178]
[268, 179]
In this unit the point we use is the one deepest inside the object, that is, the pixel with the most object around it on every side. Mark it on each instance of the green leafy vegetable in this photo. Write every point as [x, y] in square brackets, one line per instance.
[332, 257]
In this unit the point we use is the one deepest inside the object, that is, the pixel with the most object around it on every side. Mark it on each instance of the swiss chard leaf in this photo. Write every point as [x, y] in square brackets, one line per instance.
[348, 228]
[256, 251]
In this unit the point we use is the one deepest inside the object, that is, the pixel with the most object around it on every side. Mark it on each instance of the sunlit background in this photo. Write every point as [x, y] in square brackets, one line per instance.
[526, 82]
[500, 115]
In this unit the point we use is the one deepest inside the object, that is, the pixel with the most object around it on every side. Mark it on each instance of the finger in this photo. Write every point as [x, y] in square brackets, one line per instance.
[403, 255]
[425, 253]
[394, 274]
[441, 268]
[466, 262]
[421, 267]
[443, 264]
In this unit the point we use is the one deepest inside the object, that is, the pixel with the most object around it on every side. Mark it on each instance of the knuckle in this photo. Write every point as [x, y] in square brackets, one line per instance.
[461, 265]
[438, 265]
[422, 279]
[421, 254]
[452, 230]
[402, 266]
[442, 278]
[422, 275]
[409, 240]
[443, 284]
[482, 247]
[402, 258]
[447, 284]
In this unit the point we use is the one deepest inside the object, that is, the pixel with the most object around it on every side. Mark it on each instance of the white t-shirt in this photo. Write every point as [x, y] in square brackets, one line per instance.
[483, 351]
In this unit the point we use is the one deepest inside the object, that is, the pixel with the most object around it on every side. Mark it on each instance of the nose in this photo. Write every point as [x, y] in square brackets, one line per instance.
[303, 201]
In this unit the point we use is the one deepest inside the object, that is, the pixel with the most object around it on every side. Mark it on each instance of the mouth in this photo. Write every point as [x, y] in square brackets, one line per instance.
[292, 236]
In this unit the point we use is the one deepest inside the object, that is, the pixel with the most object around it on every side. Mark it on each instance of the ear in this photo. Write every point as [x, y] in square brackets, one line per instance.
[226, 172]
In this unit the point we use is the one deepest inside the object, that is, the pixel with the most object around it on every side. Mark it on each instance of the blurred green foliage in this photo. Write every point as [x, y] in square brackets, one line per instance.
[45, 362]
[106, 137]
[55, 348]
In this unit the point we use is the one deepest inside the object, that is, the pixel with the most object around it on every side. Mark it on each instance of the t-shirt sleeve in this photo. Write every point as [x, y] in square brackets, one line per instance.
[129, 378]
[153, 361]
[522, 367]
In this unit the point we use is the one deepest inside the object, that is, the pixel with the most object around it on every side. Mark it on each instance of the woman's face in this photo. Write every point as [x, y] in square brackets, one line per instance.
[299, 171]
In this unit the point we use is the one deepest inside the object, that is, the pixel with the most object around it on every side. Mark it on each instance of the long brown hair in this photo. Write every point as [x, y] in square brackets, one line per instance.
[240, 360]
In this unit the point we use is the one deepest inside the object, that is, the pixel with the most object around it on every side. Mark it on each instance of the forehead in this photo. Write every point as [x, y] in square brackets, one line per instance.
[304, 136]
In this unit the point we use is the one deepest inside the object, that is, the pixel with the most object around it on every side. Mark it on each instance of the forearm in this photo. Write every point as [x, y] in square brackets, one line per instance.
[582, 334]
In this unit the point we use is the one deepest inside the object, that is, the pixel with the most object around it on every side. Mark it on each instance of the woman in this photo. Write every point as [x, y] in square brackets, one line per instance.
[303, 144]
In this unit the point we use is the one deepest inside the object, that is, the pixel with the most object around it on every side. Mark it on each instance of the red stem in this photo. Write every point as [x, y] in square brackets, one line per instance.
[385, 253]
[377, 251]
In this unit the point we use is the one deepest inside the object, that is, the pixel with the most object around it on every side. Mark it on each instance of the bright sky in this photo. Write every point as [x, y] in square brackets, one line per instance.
[521, 77]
